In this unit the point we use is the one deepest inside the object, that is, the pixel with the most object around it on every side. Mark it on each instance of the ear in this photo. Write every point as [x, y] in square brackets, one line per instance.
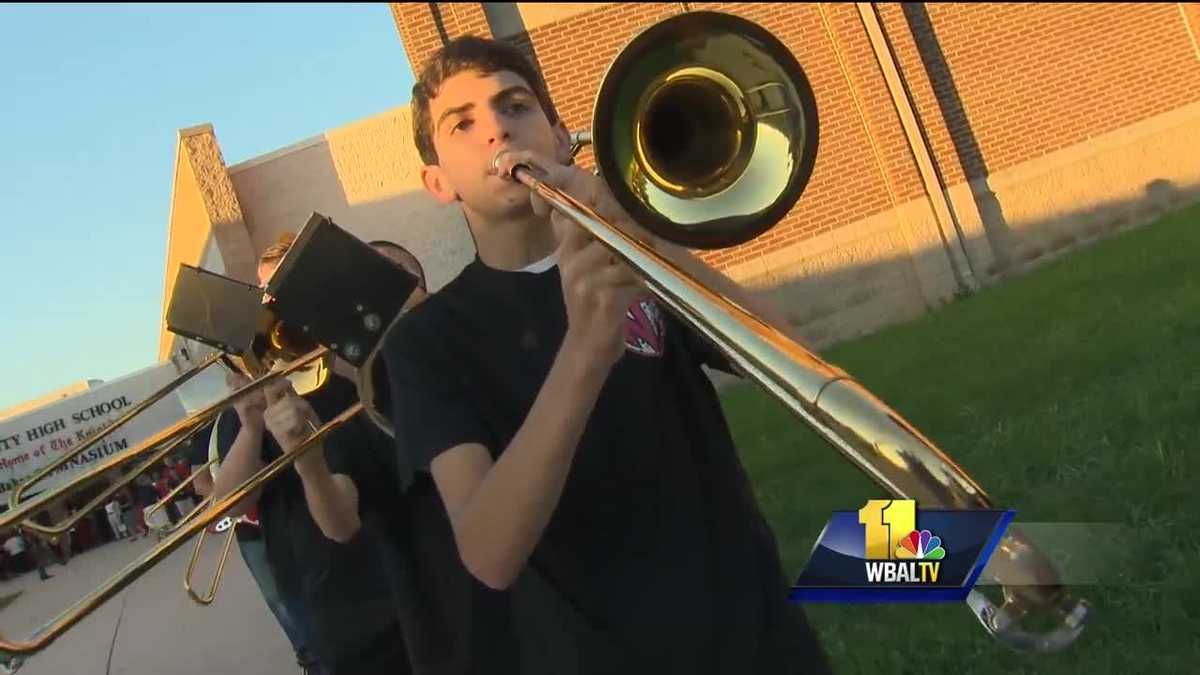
[437, 183]
[562, 142]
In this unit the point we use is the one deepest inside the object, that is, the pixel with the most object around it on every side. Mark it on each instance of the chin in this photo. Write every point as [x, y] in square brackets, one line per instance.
[510, 202]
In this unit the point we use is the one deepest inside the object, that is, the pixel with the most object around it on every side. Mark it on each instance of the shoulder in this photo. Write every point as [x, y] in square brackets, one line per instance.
[422, 325]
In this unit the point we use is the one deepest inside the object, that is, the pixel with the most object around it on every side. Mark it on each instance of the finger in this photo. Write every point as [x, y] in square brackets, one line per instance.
[621, 279]
[289, 418]
[571, 237]
[540, 206]
[280, 419]
[277, 390]
[307, 412]
[256, 400]
[607, 281]
[595, 193]
[594, 257]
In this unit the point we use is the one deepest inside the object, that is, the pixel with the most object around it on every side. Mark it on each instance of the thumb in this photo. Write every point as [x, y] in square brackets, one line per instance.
[571, 237]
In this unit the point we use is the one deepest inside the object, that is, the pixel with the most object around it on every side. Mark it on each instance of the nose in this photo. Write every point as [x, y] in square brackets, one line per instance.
[495, 128]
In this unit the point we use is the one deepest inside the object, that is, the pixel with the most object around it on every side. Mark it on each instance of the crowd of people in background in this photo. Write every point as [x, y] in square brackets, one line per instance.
[123, 517]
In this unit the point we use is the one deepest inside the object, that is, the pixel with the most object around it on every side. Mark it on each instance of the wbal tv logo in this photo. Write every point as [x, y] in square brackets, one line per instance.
[896, 551]
[890, 551]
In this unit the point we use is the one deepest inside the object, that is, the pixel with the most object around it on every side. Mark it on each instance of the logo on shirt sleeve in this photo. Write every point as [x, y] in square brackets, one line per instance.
[644, 328]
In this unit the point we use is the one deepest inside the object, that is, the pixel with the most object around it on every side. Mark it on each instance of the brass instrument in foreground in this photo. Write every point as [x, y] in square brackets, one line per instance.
[705, 130]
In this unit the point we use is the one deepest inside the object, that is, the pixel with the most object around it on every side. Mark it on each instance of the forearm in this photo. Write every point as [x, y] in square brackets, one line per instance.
[204, 482]
[501, 523]
[243, 461]
[332, 498]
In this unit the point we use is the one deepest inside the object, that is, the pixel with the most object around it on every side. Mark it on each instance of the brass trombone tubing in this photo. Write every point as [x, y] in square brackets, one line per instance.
[191, 423]
[162, 503]
[47, 634]
[199, 508]
[18, 511]
[865, 430]
[208, 597]
[52, 533]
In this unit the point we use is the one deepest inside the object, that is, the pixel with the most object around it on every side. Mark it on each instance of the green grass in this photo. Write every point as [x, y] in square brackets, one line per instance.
[1071, 393]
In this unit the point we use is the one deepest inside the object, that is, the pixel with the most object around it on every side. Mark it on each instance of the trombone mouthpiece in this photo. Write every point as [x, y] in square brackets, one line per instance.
[496, 165]
[511, 171]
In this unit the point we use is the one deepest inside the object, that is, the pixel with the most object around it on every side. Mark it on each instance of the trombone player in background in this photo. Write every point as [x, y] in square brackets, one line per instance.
[201, 448]
[323, 524]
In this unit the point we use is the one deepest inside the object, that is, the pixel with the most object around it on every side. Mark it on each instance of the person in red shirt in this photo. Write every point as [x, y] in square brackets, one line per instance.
[180, 471]
[162, 484]
[163, 487]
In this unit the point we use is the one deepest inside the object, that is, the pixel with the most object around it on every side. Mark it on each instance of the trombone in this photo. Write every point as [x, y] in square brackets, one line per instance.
[162, 503]
[186, 528]
[705, 130]
[211, 593]
[89, 603]
[18, 510]
[52, 533]
[272, 343]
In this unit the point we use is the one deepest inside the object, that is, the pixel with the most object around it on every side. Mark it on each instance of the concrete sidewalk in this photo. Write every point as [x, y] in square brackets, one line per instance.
[152, 627]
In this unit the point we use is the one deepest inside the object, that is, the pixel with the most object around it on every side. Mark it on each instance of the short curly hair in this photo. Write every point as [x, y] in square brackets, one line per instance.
[411, 263]
[468, 53]
[276, 251]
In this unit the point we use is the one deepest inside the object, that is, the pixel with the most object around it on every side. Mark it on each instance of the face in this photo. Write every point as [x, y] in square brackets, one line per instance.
[405, 263]
[474, 117]
[265, 270]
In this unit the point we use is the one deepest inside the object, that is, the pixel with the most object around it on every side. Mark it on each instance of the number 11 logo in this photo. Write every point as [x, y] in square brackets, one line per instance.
[887, 522]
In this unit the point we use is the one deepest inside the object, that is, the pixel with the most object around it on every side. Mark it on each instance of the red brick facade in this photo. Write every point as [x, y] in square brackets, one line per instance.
[993, 85]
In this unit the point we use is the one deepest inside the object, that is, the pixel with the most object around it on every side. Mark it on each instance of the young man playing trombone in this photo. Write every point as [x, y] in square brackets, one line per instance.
[565, 418]
[253, 548]
[324, 524]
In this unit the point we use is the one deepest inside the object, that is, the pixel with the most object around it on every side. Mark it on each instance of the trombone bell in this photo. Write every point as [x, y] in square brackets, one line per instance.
[695, 135]
[706, 130]
[276, 345]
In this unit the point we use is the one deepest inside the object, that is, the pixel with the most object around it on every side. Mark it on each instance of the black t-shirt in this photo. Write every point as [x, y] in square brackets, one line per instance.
[656, 558]
[196, 447]
[349, 589]
[196, 451]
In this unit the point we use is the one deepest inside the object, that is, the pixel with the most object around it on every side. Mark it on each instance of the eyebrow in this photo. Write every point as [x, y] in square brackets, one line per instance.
[500, 97]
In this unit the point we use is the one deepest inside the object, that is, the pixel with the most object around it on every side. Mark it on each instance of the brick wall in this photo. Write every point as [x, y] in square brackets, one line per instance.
[424, 25]
[994, 85]
[1034, 78]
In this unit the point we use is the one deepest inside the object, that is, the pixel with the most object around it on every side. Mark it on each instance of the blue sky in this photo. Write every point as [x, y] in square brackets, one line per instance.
[92, 99]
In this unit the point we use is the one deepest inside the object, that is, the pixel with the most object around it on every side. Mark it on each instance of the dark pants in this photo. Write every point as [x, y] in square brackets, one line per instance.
[291, 618]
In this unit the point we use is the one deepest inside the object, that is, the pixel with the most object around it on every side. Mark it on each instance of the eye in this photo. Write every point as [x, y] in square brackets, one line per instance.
[463, 125]
[517, 108]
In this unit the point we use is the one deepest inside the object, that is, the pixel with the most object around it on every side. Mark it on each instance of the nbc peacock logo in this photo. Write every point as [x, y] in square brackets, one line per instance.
[896, 551]
[921, 545]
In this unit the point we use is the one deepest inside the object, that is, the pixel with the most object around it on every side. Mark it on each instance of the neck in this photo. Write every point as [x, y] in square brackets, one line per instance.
[513, 243]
